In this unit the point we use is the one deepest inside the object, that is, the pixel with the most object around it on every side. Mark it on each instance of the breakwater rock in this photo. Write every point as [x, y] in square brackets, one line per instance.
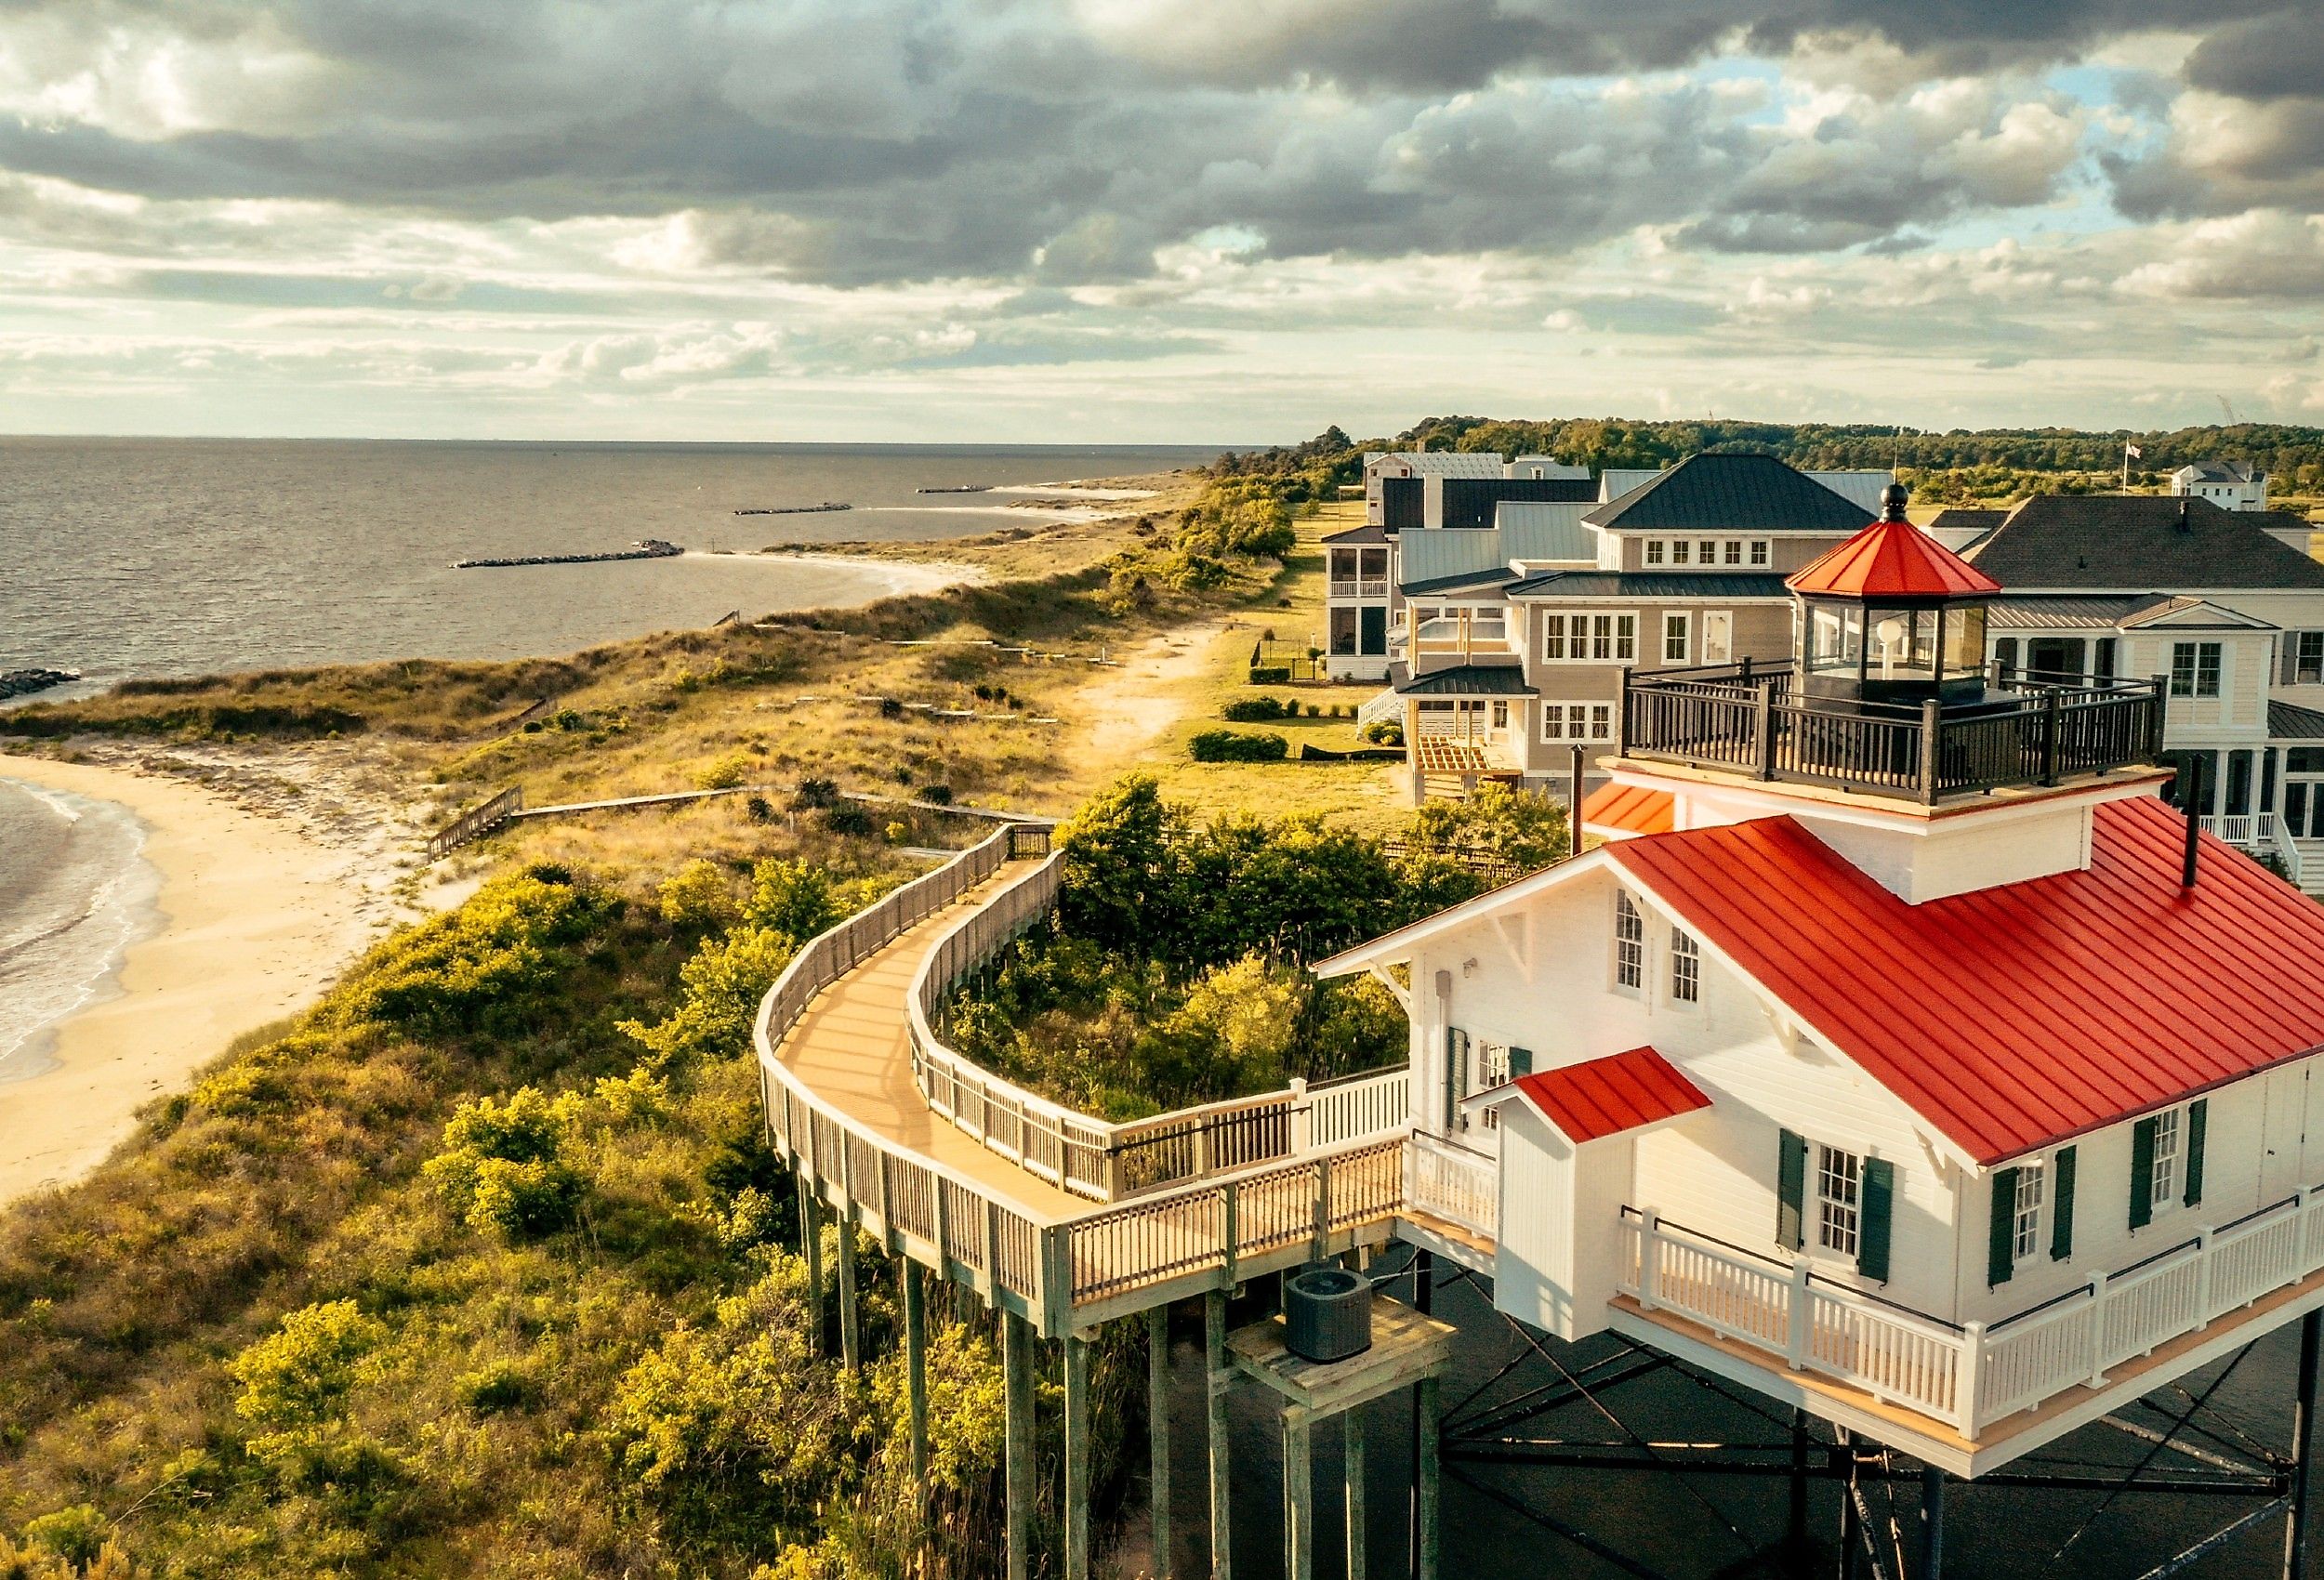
[24, 682]
[827, 505]
[644, 548]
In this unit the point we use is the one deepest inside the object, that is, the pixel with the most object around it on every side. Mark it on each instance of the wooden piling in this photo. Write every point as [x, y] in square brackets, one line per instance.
[1298, 1497]
[850, 1341]
[1428, 1471]
[1159, 1434]
[1351, 1451]
[1221, 1377]
[1076, 1457]
[810, 1246]
[916, 1364]
[1016, 1354]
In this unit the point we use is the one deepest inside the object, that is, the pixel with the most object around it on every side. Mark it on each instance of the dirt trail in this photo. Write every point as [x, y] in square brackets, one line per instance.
[1125, 710]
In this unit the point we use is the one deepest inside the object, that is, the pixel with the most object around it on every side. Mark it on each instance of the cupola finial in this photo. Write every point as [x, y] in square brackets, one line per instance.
[1892, 500]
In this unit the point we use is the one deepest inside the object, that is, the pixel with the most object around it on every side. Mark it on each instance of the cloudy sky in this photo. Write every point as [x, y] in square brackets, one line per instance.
[1175, 220]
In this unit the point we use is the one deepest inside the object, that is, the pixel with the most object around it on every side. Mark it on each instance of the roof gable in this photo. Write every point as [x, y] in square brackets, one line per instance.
[2120, 542]
[1732, 492]
[1606, 1097]
[2013, 1017]
[2195, 613]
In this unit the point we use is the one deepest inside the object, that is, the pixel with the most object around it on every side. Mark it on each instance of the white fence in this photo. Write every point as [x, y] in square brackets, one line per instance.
[1453, 1182]
[1101, 1159]
[1975, 1375]
[1376, 586]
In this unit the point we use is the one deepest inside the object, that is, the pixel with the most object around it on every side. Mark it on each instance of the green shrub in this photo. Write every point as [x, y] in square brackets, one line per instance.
[1384, 733]
[699, 896]
[723, 983]
[296, 1379]
[495, 1389]
[727, 773]
[848, 818]
[1256, 710]
[77, 1534]
[1270, 674]
[790, 897]
[503, 1167]
[481, 967]
[1233, 746]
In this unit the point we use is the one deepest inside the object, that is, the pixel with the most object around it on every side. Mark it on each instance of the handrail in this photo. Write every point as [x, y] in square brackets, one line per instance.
[477, 821]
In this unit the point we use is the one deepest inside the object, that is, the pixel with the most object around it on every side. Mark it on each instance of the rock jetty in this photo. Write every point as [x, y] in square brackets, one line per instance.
[24, 682]
[798, 509]
[644, 548]
[958, 488]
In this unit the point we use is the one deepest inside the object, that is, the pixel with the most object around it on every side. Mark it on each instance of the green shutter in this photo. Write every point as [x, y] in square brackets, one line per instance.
[1452, 1078]
[1520, 1062]
[2196, 1112]
[2062, 1205]
[2000, 1229]
[1790, 1190]
[2142, 1174]
[1876, 1205]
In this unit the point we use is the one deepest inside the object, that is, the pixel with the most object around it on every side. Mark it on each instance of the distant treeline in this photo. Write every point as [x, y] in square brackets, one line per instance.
[2294, 455]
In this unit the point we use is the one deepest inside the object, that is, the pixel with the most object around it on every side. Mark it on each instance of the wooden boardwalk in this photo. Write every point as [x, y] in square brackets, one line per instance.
[851, 1049]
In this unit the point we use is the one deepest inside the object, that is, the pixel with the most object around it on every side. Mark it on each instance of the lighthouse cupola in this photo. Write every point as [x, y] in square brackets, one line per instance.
[1891, 616]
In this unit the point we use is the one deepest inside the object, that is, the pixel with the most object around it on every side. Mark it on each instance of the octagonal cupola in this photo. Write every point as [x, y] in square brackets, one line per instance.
[1891, 616]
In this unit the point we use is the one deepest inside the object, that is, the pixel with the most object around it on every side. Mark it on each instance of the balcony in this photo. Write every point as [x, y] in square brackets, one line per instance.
[1464, 637]
[1972, 1378]
[2263, 834]
[1754, 720]
[1369, 587]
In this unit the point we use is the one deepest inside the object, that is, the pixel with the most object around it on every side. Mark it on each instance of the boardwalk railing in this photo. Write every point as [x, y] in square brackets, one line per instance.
[476, 822]
[1975, 1375]
[1454, 1183]
[1061, 1274]
[1104, 1160]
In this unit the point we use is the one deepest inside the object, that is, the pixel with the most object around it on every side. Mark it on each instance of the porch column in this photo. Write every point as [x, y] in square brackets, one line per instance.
[1352, 1453]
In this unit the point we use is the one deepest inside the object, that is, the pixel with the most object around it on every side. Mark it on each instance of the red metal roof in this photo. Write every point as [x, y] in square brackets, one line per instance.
[1606, 1097]
[2016, 1016]
[1632, 809]
[1892, 560]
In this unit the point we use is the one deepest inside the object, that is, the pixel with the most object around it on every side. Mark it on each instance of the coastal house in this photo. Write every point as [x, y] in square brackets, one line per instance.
[1900, 1057]
[1507, 672]
[2231, 486]
[2213, 600]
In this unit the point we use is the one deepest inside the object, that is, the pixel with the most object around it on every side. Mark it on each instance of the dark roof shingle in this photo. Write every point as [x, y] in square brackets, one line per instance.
[1731, 494]
[2123, 542]
[1651, 584]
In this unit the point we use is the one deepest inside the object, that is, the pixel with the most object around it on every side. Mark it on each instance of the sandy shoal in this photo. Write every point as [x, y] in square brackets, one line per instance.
[255, 921]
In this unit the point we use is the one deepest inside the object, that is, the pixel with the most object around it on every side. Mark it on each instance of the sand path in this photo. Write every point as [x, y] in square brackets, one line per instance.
[1129, 708]
[256, 920]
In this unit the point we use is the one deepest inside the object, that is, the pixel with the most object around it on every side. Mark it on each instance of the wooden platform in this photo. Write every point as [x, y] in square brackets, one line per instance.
[1435, 753]
[1405, 1348]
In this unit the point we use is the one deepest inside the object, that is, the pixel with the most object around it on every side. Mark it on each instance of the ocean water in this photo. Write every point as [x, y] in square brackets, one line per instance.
[123, 558]
[178, 556]
[74, 891]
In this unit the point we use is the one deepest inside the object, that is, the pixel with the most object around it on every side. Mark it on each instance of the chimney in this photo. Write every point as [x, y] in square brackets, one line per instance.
[2184, 524]
[2192, 794]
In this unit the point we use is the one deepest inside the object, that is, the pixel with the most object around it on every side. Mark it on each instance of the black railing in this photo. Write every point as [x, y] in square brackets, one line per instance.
[1754, 718]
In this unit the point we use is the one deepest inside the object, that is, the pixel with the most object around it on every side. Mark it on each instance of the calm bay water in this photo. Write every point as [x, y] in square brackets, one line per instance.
[174, 557]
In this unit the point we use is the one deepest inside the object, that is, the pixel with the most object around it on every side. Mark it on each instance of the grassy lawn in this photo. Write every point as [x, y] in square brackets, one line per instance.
[1365, 795]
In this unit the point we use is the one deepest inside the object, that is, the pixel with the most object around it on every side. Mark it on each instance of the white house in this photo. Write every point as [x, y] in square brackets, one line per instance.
[2231, 486]
[1900, 1056]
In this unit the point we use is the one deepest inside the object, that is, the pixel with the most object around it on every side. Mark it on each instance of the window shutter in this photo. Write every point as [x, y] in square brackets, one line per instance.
[2001, 1231]
[1790, 1190]
[2062, 1205]
[2142, 1174]
[1520, 1062]
[1452, 1077]
[1876, 1207]
[2197, 1111]
[2288, 659]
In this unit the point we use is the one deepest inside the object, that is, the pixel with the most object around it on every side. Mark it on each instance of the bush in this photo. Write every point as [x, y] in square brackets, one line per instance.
[503, 1167]
[724, 982]
[936, 795]
[848, 818]
[1233, 746]
[1256, 710]
[77, 1534]
[1271, 675]
[760, 810]
[792, 898]
[814, 792]
[698, 897]
[481, 967]
[726, 772]
[296, 1379]
[1384, 733]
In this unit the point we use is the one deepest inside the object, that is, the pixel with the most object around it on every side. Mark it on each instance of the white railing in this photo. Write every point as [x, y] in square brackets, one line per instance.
[2240, 829]
[1452, 1182]
[1104, 1160]
[1972, 1375]
[2287, 848]
[1369, 587]
[1379, 706]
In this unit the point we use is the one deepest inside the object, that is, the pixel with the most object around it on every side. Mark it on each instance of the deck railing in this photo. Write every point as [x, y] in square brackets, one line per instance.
[1454, 1183]
[1753, 717]
[1104, 1160]
[476, 822]
[1972, 1375]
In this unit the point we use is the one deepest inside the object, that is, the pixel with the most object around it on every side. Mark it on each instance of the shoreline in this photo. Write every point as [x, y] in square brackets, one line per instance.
[251, 921]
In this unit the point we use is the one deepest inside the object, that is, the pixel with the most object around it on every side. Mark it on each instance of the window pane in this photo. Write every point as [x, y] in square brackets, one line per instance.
[2025, 1238]
[1836, 1206]
[1630, 942]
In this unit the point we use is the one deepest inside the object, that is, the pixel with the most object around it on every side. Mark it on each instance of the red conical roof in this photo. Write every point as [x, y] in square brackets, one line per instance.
[1892, 558]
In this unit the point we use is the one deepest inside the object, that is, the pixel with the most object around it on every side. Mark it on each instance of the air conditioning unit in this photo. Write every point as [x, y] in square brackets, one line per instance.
[1326, 1313]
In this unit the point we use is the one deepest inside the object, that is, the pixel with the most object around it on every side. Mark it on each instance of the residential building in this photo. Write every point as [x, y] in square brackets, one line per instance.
[1507, 672]
[1900, 1057]
[2231, 486]
[2107, 586]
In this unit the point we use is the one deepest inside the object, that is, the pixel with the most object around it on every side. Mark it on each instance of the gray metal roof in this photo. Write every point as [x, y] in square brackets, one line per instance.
[1491, 576]
[1660, 586]
[1735, 494]
[2290, 721]
[2068, 613]
[1445, 463]
[2117, 541]
[1466, 680]
[1357, 536]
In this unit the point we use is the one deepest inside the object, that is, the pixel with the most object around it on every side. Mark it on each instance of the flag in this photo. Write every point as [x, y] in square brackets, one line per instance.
[2133, 452]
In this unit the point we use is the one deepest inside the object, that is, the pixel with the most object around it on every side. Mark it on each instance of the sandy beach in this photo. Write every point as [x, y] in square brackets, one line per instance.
[256, 919]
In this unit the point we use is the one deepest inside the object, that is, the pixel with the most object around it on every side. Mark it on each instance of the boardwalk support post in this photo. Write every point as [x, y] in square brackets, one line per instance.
[1421, 1557]
[1076, 1457]
[1351, 1453]
[1426, 1472]
[1214, 1351]
[810, 1243]
[1016, 1355]
[1298, 1497]
[1795, 1531]
[916, 1364]
[1851, 1563]
[1159, 1434]
[851, 1350]
[1932, 1523]
[2302, 1426]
